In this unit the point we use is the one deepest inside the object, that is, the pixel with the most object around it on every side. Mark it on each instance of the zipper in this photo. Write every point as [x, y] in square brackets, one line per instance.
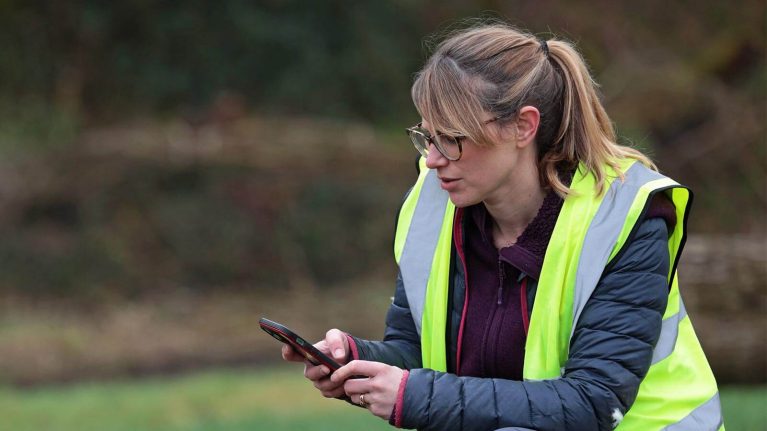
[501, 276]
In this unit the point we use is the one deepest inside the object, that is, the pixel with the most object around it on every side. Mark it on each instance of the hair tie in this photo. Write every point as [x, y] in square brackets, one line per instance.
[544, 46]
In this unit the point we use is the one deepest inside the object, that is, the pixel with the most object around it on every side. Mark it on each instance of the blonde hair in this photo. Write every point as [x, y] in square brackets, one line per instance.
[498, 69]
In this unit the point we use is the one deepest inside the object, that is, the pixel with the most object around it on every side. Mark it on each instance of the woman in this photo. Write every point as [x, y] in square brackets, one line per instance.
[537, 259]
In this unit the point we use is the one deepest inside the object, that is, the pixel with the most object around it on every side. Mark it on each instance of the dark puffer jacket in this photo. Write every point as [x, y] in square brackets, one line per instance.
[610, 353]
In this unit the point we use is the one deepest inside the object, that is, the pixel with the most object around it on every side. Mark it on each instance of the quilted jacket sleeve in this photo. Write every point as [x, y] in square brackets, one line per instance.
[401, 345]
[610, 354]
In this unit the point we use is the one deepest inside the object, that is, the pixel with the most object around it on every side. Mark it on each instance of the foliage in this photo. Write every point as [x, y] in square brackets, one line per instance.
[103, 59]
[684, 83]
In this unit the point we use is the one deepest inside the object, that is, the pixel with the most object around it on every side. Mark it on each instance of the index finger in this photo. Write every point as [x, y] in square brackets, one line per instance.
[357, 368]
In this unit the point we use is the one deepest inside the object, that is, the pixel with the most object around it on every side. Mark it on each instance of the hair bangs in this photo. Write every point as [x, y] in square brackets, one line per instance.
[446, 97]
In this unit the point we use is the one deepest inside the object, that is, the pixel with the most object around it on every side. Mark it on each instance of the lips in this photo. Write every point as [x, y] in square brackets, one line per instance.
[448, 183]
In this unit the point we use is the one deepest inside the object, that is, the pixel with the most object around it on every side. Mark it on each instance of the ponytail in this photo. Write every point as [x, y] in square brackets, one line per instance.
[585, 134]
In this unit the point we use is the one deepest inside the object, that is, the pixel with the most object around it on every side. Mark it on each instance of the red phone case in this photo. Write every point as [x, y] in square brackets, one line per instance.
[285, 335]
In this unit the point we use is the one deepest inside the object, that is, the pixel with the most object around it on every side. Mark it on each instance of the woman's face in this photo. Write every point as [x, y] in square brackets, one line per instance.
[483, 173]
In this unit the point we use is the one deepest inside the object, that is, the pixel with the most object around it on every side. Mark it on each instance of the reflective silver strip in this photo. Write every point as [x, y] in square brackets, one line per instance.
[668, 334]
[706, 417]
[604, 231]
[421, 242]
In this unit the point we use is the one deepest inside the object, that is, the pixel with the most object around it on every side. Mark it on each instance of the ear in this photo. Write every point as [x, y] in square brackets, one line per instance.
[527, 123]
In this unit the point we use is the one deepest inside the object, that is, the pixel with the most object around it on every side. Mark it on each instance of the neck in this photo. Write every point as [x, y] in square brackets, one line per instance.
[517, 208]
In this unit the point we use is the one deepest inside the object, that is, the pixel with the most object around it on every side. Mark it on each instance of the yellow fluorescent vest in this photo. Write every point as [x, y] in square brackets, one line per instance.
[679, 391]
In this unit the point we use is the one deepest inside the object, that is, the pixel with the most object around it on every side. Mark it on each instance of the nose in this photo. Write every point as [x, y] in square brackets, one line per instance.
[435, 159]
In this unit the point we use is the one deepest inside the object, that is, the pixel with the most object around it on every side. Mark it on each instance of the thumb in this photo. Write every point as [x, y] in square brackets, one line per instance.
[337, 343]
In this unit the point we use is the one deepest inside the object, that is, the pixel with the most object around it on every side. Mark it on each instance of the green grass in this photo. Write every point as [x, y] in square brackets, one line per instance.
[271, 399]
[745, 407]
[268, 399]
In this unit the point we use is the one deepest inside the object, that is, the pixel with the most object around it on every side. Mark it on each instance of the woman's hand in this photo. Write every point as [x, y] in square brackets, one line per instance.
[379, 389]
[334, 345]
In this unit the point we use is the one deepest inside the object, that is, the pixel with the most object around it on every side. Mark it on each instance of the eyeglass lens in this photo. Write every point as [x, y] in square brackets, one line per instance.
[448, 146]
[420, 143]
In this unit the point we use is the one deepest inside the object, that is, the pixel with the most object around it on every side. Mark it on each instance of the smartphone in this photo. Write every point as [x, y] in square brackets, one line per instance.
[285, 335]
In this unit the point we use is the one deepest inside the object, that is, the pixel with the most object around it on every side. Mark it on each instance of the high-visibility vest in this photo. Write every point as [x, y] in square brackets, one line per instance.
[679, 391]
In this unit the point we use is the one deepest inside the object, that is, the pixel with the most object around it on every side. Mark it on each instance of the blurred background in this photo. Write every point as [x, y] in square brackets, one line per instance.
[170, 172]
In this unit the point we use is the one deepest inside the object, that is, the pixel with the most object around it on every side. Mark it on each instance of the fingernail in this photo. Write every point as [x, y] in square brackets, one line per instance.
[325, 370]
[339, 353]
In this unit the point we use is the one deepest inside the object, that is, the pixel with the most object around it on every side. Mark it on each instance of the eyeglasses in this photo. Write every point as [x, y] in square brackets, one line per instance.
[449, 146]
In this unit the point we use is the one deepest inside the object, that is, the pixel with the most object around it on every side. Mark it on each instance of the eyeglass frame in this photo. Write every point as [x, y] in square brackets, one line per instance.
[418, 129]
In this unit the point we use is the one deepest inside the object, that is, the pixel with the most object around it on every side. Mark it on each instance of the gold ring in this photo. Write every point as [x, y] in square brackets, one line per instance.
[362, 400]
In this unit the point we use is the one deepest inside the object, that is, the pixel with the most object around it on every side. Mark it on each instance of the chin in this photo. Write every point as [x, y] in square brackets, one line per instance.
[463, 201]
